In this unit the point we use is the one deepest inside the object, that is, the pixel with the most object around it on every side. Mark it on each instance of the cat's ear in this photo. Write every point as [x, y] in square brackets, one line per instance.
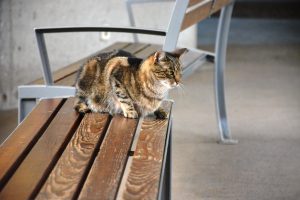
[160, 56]
[178, 52]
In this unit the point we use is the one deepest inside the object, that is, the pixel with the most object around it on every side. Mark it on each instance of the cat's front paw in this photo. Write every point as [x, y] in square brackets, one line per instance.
[131, 114]
[161, 114]
[82, 108]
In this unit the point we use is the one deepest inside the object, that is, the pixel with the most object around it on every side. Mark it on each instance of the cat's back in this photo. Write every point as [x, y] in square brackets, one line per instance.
[106, 56]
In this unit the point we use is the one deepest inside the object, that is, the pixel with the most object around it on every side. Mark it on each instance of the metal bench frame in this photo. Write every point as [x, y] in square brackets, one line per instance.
[30, 93]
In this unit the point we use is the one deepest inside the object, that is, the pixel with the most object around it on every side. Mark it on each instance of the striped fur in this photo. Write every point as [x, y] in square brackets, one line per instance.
[118, 82]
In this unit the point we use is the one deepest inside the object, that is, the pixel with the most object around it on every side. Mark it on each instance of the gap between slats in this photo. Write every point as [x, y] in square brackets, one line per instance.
[40, 161]
[127, 170]
[93, 157]
[28, 148]
[56, 156]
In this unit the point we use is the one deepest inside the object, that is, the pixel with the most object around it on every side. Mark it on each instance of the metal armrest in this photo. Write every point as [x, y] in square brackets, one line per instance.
[39, 32]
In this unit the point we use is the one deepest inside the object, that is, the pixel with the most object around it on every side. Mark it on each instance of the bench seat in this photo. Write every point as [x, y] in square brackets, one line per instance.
[56, 153]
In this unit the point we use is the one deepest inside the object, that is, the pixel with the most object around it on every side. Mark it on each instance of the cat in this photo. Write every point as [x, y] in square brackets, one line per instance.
[118, 82]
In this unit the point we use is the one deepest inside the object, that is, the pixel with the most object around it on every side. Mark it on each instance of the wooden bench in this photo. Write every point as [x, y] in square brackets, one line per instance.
[55, 153]
[54, 144]
[185, 14]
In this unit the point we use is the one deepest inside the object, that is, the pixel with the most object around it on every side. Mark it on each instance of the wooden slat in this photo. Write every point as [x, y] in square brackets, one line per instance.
[149, 50]
[65, 178]
[197, 14]
[142, 178]
[219, 4]
[140, 50]
[201, 12]
[134, 48]
[37, 165]
[15, 148]
[189, 58]
[72, 68]
[104, 177]
[194, 2]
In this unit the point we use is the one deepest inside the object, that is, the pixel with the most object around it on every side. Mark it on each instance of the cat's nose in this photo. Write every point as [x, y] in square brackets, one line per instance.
[176, 83]
[177, 78]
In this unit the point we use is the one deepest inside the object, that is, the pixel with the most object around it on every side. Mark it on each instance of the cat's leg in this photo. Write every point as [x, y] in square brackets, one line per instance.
[160, 113]
[126, 103]
[80, 105]
[97, 103]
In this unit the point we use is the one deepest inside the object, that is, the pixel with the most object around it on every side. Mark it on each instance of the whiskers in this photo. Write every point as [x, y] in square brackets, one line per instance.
[180, 91]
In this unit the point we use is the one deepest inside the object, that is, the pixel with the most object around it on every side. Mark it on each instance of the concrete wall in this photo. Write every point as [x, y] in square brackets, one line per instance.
[19, 59]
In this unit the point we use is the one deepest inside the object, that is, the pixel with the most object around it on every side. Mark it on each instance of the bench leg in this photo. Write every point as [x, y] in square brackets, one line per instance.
[28, 94]
[165, 190]
[25, 106]
[220, 60]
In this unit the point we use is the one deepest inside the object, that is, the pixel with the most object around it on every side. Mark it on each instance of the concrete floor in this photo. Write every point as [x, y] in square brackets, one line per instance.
[263, 98]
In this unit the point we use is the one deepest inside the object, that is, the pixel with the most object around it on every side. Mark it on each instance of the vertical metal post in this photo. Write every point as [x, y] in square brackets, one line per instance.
[25, 106]
[220, 61]
[169, 168]
[166, 181]
[131, 18]
[44, 58]
[175, 25]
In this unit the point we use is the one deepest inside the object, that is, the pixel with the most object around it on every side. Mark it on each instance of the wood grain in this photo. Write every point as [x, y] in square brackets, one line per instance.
[202, 11]
[106, 172]
[196, 15]
[19, 143]
[149, 50]
[65, 178]
[28, 178]
[188, 58]
[135, 47]
[142, 179]
[194, 2]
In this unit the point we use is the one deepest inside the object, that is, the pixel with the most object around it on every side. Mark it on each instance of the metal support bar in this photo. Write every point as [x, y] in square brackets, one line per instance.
[39, 32]
[130, 12]
[169, 167]
[28, 94]
[220, 61]
[131, 18]
[165, 185]
[175, 25]
[44, 58]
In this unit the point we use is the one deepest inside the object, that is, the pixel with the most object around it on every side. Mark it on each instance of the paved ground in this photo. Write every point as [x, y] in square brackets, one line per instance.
[263, 98]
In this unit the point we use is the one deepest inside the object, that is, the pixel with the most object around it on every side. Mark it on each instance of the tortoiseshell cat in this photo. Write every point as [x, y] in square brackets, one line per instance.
[118, 82]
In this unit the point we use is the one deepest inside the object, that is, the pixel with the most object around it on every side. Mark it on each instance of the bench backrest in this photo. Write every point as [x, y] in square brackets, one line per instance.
[185, 14]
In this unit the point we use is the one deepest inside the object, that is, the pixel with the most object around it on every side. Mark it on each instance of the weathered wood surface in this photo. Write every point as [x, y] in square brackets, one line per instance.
[106, 172]
[19, 143]
[143, 173]
[86, 158]
[202, 11]
[151, 48]
[67, 75]
[194, 2]
[65, 180]
[29, 176]
[136, 47]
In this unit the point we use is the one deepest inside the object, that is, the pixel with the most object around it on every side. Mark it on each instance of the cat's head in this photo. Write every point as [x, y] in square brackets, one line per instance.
[167, 67]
